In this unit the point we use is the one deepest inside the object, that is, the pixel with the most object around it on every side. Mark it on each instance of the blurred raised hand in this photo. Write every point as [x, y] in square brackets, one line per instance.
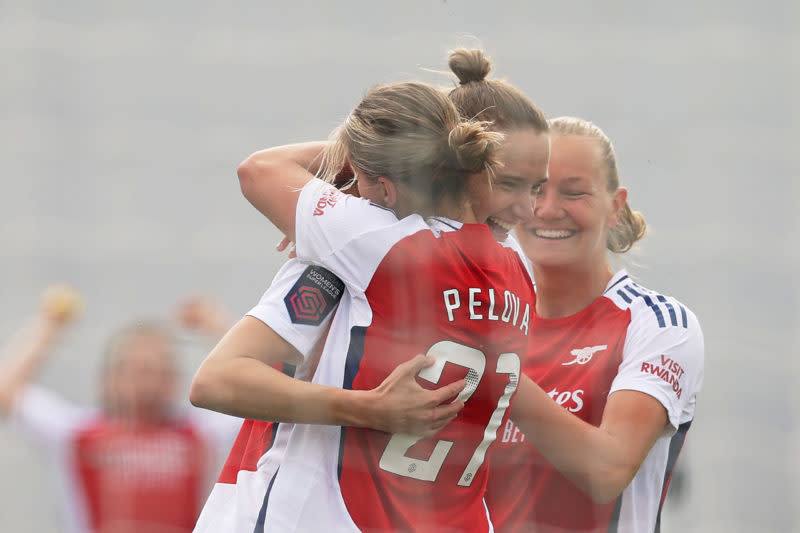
[23, 354]
[205, 315]
[61, 303]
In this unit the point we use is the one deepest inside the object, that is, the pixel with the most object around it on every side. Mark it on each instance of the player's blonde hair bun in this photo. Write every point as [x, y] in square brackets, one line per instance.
[474, 146]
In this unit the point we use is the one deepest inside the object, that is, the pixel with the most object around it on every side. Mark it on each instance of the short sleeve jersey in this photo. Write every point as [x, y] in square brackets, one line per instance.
[630, 338]
[458, 295]
[112, 474]
[298, 306]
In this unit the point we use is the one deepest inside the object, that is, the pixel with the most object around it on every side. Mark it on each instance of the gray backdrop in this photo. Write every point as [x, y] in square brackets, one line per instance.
[122, 124]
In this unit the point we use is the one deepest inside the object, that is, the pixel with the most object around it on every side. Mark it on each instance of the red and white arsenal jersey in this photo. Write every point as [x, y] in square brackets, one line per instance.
[302, 290]
[114, 476]
[298, 305]
[629, 338]
[458, 295]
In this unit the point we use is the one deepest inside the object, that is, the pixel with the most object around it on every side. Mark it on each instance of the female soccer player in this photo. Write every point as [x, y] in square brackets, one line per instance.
[615, 336]
[381, 481]
[116, 466]
[619, 365]
[587, 467]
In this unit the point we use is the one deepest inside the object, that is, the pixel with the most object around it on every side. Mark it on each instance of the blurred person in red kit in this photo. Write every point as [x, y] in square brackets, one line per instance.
[138, 462]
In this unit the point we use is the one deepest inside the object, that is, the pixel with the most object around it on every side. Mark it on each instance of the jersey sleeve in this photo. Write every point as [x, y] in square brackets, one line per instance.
[664, 359]
[299, 304]
[45, 417]
[334, 230]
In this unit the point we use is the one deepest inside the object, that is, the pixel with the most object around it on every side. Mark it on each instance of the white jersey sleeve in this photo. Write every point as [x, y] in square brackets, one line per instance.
[299, 304]
[663, 355]
[47, 418]
[51, 423]
[347, 235]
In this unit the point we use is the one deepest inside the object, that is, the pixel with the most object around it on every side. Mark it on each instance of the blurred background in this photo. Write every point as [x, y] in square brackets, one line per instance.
[123, 122]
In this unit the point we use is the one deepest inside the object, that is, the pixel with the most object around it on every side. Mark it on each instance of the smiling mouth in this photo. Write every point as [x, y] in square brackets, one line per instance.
[499, 224]
[554, 234]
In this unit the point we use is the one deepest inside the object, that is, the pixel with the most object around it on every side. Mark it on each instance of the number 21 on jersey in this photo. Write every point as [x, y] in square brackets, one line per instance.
[394, 458]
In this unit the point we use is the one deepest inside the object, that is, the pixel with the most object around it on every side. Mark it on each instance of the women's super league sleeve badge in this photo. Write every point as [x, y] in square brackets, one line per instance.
[313, 296]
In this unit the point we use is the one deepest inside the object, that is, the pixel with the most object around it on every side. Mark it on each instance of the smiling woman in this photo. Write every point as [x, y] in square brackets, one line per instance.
[621, 363]
[524, 157]
[524, 153]
[411, 284]
[582, 210]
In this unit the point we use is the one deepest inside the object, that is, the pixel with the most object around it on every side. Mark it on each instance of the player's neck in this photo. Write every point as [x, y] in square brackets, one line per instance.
[453, 210]
[562, 292]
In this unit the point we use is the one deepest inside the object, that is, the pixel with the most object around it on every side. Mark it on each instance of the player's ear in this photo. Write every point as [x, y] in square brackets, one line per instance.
[617, 203]
[387, 191]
